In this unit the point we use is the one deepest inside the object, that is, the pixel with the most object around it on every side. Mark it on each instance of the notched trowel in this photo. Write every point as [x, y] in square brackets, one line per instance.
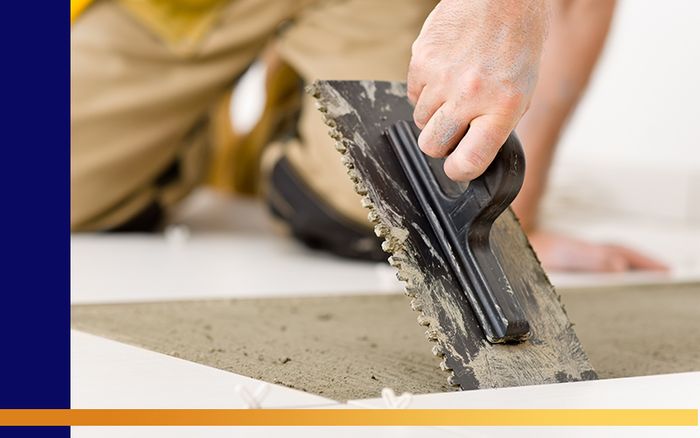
[461, 216]
[490, 309]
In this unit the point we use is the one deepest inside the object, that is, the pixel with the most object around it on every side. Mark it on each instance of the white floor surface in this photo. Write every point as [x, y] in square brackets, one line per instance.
[108, 374]
[227, 248]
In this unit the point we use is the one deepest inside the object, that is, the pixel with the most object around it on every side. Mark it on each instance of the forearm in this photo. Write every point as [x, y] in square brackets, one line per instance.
[577, 33]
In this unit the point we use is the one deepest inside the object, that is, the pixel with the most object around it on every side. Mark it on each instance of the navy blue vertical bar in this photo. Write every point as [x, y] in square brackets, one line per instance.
[34, 210]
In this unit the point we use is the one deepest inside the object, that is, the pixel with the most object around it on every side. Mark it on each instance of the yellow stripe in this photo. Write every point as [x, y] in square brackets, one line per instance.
[350, 417]
[77, 7]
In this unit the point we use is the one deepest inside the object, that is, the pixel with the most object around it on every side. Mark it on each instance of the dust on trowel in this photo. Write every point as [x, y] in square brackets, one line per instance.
[552, 353]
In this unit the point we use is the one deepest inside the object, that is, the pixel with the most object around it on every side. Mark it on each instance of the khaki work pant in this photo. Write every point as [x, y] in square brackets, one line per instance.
[138, 105]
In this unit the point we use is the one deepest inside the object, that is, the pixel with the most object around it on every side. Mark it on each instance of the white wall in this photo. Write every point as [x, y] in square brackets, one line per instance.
[633, 146]
[643, 106]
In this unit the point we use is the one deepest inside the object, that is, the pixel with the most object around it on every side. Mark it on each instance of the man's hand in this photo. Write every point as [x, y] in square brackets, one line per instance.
[562, 253]
[473, 71]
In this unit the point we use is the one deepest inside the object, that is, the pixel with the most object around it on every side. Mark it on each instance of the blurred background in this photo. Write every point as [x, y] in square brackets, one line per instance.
[627, 170]
[628, 165]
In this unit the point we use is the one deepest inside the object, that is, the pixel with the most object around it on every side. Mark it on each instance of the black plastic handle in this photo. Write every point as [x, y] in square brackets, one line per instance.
[462, 216]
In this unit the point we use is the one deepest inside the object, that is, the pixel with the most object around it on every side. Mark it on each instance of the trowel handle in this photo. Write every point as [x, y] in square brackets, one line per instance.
[461, 217]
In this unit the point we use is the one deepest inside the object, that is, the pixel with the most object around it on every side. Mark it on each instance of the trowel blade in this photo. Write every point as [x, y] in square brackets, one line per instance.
[358, 114]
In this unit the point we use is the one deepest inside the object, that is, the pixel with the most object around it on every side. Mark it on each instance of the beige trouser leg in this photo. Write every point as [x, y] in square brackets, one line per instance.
[137, 106]
[355, 39]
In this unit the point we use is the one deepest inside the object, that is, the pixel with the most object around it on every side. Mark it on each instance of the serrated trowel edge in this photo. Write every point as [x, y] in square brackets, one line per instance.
[393, 237]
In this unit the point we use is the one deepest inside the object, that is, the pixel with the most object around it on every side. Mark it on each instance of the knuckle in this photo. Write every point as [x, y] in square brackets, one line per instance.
[413, 89]
[414, 66]
[423, 111]
[474, 162]
[421, 48]
[420, 118]
[457, 170]
[419, 62]
[513, 102]
[446, 131]
[495, 137]
[470, 87]
[466, 166]
[494, 134]
[432, 150]
[416, 46]
[427, 144]
[412, 94]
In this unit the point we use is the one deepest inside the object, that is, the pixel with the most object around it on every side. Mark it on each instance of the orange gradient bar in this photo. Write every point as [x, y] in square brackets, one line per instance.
[349, 417]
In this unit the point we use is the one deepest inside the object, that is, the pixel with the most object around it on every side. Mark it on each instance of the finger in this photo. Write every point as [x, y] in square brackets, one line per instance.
[414, 85]
[414, 91]
[477, 149]
[590, 257]
[428, 102]
[442, 132]
[614, 263]
[639, 261]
